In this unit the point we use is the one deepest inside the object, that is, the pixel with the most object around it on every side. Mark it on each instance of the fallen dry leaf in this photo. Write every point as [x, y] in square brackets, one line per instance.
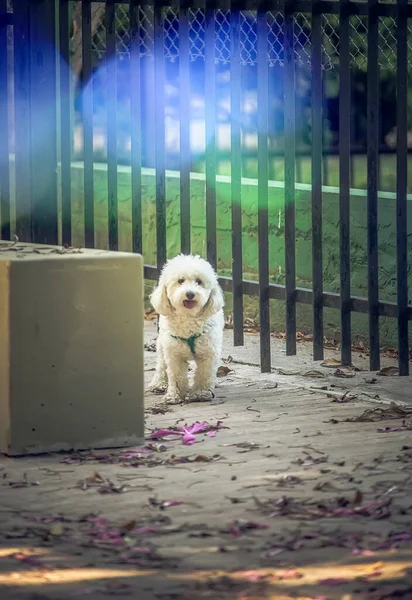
[23, 483]
[303, 337]
[284, 372]
[150, 314]
[162, 504]
[150, 346]
[331, 362]
[127, 527]
[380, 414]
[250, 326]
[338, 507]
[325, 486]
[310, 461]
[388, 371]
[312, 373]
[341, 398]
[406, 426]
[334, 581]
[95, 478]
[240, 526]
[344, 373]
[158, 408]
[223, 371]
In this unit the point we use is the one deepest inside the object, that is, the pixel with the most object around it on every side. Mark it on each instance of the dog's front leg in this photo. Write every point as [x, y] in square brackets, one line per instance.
[205, 378]
[159, 381]
[177, 387]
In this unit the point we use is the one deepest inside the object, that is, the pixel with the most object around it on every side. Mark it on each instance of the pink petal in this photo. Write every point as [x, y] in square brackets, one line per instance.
[186, 432]
[398, 537]
[253, 576]
[188, 439]
[275, 551]
[143, 530]
[290, 574]
[99, 521]
[172, 503]
[359, 552]
[197, 427]
[334, 581]
[162, 433]
[117, 541]
[373, 574]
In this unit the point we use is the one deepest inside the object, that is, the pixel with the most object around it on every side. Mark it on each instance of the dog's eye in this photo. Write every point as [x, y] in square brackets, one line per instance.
[199, 281]
[181, 281]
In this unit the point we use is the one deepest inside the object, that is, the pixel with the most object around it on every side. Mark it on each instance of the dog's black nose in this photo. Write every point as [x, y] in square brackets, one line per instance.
[190, 295]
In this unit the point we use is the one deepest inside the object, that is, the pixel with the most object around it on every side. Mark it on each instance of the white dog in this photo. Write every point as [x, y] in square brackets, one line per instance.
[190, 303]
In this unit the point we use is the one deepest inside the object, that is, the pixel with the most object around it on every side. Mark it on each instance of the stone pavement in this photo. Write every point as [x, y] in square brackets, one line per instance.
[298, 486]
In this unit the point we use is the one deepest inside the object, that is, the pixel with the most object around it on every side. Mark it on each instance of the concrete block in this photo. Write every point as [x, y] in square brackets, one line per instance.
[71, 349]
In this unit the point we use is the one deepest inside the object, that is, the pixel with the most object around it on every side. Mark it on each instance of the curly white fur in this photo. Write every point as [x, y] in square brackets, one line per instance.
[190, 303]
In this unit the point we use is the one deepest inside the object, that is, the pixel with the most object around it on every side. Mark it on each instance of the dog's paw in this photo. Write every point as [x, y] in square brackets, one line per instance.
[157, 387]
[200, 396]
[173, 399]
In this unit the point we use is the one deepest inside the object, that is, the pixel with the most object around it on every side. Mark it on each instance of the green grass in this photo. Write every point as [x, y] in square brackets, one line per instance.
[387, 181]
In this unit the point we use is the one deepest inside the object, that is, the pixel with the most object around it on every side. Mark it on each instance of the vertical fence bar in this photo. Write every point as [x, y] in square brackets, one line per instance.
[379, 169]
[402, 185]
[160, 134]
[289, 111]
[87, 121]
[136, 125]
[43, 134]
[185, 154]
[210, 98]
[111, 91]
[65, 123]
[344, 181]
[372, 185]
[352, 170]
[5, 232]
[299, 177]
[325, 168]
[352, 167]
[22, 120]
[317, 241]
[236, 174]
[263, 228]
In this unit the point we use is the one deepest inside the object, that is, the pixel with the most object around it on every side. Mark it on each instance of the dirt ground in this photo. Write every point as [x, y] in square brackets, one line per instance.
[298, 485]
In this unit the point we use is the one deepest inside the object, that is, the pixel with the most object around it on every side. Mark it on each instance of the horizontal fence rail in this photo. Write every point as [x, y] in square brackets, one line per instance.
[140, 66]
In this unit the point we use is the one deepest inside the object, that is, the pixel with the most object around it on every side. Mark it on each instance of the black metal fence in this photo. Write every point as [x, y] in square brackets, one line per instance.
[42, 109]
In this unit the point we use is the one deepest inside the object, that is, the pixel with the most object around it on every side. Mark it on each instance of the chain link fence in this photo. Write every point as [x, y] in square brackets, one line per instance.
[248, 37]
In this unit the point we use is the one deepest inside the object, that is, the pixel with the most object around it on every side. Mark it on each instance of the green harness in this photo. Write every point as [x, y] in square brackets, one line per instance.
[189, 341]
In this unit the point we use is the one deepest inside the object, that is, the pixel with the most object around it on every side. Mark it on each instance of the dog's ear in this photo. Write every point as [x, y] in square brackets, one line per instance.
[215, 302]
[160, 301]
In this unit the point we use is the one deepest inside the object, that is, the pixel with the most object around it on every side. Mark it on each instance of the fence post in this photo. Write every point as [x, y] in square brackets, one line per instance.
[43, 121]
[5, 95]
[21, 66]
